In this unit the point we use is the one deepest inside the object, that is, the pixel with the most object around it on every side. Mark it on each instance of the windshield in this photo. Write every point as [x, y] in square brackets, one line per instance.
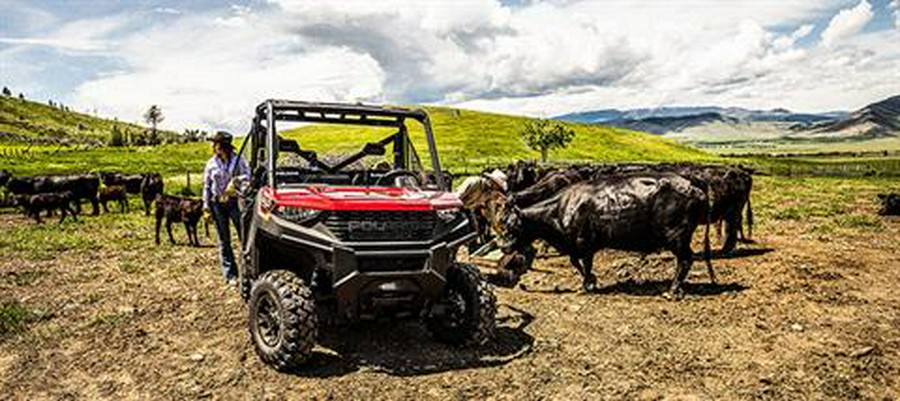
[332, 154]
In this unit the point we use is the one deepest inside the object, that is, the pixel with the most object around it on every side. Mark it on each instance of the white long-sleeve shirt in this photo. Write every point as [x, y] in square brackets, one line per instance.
[218, 174]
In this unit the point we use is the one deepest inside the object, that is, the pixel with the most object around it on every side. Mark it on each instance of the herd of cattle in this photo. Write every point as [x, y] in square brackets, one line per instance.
[579, 210]
[66, 193]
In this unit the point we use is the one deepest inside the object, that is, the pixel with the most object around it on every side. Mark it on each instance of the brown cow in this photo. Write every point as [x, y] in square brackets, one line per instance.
[177, 209]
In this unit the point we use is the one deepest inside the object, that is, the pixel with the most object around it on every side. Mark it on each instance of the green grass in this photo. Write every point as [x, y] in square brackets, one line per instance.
[166, 159]
[15, 318]
[28, 121]
[826, 204]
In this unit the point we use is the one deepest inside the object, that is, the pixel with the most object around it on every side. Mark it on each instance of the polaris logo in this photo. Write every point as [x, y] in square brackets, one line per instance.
[385, 226]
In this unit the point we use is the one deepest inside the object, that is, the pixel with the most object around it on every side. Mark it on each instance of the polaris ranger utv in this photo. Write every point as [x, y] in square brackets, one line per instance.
[338, 239]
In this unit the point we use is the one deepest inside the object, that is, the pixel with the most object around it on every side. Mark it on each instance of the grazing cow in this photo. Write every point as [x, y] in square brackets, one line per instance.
[48, 201]
[151, 187]
[890, 204]
[632, 212]
[83, 186]
[132, 183]
[729, 190]
[175, 209]
[114, 193]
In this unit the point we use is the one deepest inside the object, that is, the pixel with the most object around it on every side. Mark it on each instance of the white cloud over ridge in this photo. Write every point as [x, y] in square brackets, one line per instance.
[848, 22]
[542, 58]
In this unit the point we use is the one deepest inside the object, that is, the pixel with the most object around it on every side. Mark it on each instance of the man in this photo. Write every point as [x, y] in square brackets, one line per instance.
[220, 198]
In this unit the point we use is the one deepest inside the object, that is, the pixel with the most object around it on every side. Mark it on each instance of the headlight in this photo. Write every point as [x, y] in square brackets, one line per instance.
[448, 215]
[296, 214]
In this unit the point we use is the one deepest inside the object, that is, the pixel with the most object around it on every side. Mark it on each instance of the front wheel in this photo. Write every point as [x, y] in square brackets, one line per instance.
[282, 319]
[464, 314]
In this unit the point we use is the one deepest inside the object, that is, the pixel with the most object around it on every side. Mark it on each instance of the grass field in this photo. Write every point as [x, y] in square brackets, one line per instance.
[95, 310]
[467, 141]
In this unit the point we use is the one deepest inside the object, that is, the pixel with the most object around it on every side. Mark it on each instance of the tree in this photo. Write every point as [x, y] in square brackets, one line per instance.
[116, 138]
[21, 96]
[6, 92]
[154, 116]
[545, 135]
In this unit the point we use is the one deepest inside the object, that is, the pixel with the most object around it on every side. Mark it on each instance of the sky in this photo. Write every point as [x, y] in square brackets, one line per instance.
[208, 63]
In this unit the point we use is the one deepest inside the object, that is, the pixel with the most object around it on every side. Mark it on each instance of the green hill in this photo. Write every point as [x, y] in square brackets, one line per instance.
[469, 140]
[24, 121]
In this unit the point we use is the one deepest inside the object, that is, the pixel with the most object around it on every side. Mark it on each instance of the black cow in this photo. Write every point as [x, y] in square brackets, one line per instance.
[633, 212]
[131, 183]
[729, 190]
[83, 186]
[114, 193]
[890, 204]
[151, 187]
[521, 175]
[33, 205]
[176, 209]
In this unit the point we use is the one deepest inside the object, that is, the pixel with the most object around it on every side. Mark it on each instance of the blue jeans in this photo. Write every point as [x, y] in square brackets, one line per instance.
[221, 214]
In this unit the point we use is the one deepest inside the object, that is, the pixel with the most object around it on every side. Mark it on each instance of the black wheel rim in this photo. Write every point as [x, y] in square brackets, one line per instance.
[268, 323]
[456, 310]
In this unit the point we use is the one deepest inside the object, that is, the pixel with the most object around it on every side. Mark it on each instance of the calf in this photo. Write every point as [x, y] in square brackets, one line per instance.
[151, 187]
[35, 204]
[632, 212]
[176, 209]
[114, 193]
[890, 204]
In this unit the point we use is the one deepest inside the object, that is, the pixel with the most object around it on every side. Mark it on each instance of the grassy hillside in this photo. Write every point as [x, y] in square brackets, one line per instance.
[469, 140]
[24, 121]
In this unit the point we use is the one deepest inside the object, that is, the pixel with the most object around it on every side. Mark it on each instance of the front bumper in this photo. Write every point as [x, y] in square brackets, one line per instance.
[370, 278]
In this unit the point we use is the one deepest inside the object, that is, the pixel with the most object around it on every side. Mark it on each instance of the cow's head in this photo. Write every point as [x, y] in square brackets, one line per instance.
[506, 222]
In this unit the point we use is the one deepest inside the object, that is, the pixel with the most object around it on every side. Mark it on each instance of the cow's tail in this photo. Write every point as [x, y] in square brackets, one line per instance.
[707, 253]
[749, 219]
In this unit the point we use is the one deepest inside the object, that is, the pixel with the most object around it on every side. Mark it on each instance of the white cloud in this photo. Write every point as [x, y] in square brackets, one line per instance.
[847, 22]
[895, 7]
[543, 58]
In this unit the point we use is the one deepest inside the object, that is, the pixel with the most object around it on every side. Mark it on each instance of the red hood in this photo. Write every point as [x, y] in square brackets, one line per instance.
[362, 198]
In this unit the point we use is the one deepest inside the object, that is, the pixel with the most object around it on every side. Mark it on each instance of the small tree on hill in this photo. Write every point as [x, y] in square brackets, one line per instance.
[545, 135]
[6, 92]
[154, 116]
[21, 96]
[116, 138]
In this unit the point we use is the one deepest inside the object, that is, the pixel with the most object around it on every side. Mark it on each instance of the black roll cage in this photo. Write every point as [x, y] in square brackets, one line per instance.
[263, 132]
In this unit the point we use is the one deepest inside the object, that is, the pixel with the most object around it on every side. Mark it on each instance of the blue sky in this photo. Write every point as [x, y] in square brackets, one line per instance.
[208, 62]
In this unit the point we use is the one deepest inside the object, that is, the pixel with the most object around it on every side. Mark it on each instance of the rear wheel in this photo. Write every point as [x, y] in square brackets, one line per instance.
[465, 312]
[282, 319]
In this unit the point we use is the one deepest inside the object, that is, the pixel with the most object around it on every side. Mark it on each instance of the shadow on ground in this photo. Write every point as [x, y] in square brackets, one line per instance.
[407, 349]
[658, 287]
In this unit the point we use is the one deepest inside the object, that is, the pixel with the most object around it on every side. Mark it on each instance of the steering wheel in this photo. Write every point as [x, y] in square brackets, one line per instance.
[393, 175]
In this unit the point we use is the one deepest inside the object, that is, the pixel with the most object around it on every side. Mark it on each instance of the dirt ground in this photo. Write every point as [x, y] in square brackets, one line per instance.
[804, 313]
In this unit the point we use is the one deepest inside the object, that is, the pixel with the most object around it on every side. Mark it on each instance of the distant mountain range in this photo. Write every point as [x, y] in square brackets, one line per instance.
[663, 120]
[875, 120]
[878, 119]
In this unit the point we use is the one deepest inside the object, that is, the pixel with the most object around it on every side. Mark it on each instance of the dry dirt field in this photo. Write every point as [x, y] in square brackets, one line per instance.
[94, 310]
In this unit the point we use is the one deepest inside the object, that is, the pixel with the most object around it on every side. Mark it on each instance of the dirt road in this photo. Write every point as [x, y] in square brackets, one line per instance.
[805, 313]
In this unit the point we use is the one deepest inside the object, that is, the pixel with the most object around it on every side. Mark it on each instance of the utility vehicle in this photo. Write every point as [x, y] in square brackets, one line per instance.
[331, 238]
